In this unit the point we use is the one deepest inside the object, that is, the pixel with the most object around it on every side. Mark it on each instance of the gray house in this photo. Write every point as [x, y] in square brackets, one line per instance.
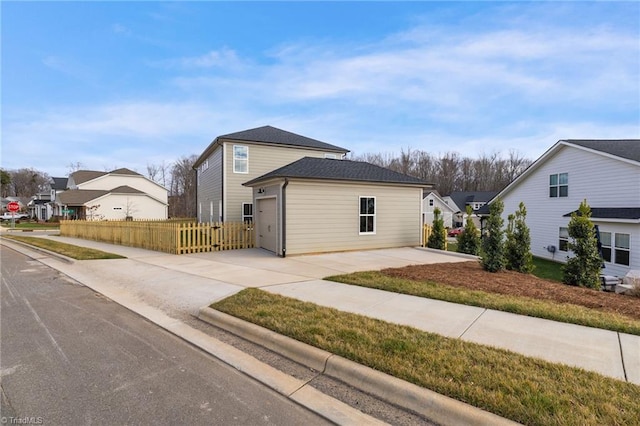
[235, 158]
[318, 205]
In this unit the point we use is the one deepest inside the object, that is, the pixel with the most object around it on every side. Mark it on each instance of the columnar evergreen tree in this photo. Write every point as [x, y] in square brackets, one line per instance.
[469, 240]
[518, 246]
[583, 268]
[438, 237]
[492, 253]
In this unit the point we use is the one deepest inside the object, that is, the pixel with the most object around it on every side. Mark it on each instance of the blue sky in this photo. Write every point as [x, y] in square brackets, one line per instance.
[126, 84]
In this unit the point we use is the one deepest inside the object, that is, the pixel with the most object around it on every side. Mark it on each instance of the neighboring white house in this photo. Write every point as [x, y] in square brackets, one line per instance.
[316, 205]
[232, 159]
[431, 201]
[606, 173]
[119, 194]
[459, 201]
[47, 204]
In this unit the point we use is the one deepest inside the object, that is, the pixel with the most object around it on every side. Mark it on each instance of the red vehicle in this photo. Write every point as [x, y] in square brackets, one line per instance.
[454, 232]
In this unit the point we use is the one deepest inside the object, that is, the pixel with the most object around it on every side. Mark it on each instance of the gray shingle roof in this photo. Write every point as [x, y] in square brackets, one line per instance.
[332, 169]
[82, 176]
[462, 198]
[623, 148]
[125, 171]
[77, 197]
[59, 183]
[269, 134]
[612, 213]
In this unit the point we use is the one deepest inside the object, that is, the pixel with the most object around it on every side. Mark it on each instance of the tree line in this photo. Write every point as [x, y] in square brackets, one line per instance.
[448, 173]
[452, 172]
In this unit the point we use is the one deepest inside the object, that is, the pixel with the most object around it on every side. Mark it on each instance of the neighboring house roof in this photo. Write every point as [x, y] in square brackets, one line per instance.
[627, 150]
[623, 213]
[463, 198]
[77, 197]
[124, 171]
[333, 169]
[59, 183]
[269, 135]
[82, 176]
[623, 148]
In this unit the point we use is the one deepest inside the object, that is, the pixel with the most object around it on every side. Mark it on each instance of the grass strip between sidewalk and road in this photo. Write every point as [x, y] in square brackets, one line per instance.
[562, 312]
[514, 386]
[69, 250]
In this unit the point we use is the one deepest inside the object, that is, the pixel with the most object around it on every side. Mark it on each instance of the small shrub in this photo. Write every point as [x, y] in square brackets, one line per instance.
[469, 240]
[438, 237]
[518, 246]
[492, 254]
[583, 269]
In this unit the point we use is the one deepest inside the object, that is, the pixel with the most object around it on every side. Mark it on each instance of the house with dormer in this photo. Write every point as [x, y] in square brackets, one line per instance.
[116, 195]
[235, 158]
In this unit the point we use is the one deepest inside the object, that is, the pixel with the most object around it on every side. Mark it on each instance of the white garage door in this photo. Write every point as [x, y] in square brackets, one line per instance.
[267, 235]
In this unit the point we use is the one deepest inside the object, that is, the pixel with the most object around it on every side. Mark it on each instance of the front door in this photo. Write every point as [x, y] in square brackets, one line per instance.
[267, 232]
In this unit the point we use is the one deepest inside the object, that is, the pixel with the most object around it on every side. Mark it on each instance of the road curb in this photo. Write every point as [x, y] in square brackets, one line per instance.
[438, 408]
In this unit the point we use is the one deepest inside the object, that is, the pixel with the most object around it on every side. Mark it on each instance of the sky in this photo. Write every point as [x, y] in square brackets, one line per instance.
[129, 84]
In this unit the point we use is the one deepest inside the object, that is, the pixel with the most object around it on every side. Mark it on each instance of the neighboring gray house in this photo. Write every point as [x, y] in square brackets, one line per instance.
[232, 159]
[460, 200]
[318, 205]
[606, 173]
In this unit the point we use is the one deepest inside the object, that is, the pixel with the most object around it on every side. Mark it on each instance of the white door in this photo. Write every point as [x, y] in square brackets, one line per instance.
[267, 232]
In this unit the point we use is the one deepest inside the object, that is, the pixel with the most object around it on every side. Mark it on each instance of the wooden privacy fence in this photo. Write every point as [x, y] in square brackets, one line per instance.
[426, 232]
[167, 236]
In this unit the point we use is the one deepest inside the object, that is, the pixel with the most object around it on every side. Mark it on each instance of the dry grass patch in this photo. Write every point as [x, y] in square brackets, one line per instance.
[523, 389]
[69, 250]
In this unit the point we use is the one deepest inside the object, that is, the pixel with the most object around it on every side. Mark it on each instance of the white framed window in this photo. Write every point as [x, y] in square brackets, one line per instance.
[563, 239]
[240, 159]
[622, 249]
[605, 244]
[330, 156]
[204, 166]
[247, 212]
[559, 185]
[367, 215]
[431, 202]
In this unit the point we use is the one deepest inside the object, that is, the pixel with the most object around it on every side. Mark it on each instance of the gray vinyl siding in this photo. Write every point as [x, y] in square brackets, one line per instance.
[324, 217]
[210, 188]
[601, 180]
[262, 159]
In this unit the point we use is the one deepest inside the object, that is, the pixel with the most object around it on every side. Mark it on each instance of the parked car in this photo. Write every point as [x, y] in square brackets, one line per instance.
[17, 216]
[454, 232]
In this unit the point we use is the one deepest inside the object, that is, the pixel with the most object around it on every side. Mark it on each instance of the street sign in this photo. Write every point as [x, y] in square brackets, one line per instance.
[13, 206]
[67, 211]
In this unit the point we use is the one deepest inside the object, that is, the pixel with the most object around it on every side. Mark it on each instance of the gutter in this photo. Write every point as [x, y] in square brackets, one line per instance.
[283, 214]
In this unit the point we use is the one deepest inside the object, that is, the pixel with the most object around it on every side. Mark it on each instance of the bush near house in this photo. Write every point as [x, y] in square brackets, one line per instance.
[583, 269]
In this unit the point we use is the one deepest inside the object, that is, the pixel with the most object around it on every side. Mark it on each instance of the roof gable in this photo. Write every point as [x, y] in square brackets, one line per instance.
[626, 150]
[333, 169]
[271, 136]
[464, 198]
[82, 176]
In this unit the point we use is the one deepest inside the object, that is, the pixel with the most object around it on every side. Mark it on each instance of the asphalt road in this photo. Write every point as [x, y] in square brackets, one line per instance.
[70, 356]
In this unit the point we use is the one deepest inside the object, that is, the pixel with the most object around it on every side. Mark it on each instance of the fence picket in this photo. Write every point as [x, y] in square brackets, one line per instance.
[176, 237]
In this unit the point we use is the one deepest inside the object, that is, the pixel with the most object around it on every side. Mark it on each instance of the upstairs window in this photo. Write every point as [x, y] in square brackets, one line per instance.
[367, 215]
[240, 159]
[559, 185]
[333, 156]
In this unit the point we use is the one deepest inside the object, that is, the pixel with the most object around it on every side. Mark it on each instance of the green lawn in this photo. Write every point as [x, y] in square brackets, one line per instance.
[69, 250]
[520, 388]
[32, 225]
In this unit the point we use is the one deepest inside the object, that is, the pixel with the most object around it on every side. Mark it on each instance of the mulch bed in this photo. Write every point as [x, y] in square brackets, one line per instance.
[470, 275]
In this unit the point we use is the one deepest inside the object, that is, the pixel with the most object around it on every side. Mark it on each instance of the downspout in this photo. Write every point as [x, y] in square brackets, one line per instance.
[284, 216]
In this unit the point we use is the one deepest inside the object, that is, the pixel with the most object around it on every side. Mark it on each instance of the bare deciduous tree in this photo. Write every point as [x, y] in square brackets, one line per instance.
[182, 190]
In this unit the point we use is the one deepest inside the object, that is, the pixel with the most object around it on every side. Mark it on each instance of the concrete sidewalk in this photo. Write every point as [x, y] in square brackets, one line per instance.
[186, 283]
